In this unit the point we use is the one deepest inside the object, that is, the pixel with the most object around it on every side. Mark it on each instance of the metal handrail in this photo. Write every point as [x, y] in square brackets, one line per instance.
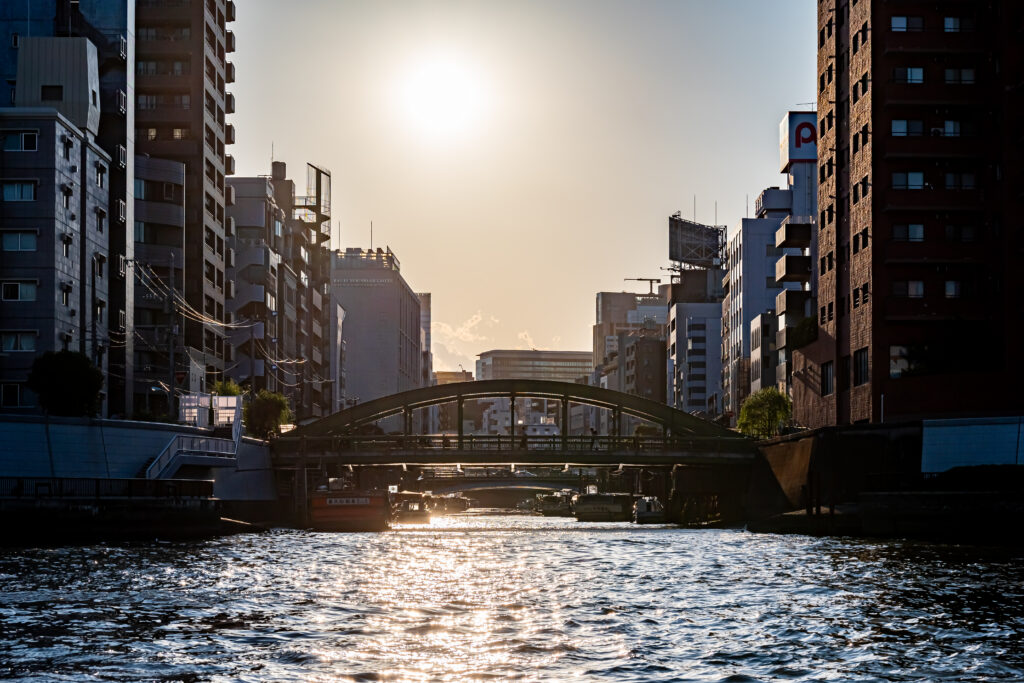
[385, 442]
[208, 445]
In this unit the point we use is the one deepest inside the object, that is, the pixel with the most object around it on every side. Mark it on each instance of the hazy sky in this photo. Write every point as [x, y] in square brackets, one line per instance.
[519, 157]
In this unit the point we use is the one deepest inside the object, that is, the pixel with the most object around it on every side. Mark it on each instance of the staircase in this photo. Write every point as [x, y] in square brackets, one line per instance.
[219, 449]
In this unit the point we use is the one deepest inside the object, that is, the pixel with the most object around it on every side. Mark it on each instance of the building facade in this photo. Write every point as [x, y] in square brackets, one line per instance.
[181, 109]
[285, 329]
[109, 26]
[764, 269]
[694, 362]
[161, 367]
[55, 241]
[558, 366]
[919, 311]
[382, 326]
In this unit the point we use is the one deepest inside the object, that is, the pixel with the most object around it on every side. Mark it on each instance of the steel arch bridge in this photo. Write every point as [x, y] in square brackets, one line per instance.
[668, 418]
[343, 434]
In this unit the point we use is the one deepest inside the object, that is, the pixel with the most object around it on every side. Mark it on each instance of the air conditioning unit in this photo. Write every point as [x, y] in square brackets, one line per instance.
[74, 168]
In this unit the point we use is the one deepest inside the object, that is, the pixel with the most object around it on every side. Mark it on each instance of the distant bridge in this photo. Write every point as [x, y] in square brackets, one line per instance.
[341, 438]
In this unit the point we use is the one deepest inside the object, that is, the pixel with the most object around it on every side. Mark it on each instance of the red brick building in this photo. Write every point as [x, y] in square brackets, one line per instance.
[920, 243]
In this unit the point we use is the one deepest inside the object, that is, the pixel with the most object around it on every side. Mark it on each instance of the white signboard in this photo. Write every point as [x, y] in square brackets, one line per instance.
[798, 138]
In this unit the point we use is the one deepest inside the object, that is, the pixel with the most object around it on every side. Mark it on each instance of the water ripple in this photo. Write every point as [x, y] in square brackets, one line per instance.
[494, 598]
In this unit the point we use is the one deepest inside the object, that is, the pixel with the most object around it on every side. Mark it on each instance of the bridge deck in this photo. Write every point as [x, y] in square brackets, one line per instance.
[581, 458]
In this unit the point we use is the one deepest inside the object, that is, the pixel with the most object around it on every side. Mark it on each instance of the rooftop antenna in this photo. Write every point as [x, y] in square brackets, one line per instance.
[649, 280]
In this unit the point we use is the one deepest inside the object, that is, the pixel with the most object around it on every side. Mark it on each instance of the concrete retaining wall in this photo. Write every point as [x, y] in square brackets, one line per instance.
[32, 446]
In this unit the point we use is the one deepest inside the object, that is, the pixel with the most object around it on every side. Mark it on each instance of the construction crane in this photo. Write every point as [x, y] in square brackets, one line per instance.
[649, 280]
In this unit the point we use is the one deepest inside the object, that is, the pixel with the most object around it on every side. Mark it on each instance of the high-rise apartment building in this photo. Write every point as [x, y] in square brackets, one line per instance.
[285, 330]
[159, 243]
[109, 27]
[181, 108]
[919, 307]
[53, 255]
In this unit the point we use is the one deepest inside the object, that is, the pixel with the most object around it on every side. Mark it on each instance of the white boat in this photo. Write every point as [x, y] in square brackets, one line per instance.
[648, 510]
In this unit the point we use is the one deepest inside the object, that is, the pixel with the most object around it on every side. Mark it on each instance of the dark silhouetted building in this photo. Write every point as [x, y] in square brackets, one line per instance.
[919, 306]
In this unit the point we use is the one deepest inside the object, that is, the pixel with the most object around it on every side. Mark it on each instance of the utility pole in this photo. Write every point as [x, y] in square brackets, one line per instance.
[171, 324]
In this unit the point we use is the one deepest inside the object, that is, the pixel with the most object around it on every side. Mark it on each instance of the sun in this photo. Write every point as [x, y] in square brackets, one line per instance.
[442, 97]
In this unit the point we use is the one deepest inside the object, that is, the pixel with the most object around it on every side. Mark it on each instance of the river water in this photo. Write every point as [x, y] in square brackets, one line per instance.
[492, 597]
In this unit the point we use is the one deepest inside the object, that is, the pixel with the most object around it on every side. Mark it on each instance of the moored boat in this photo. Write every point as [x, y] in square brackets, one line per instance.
[603, 507]
[555, 504]
[333, 508]
[648, 510]
[411, 507]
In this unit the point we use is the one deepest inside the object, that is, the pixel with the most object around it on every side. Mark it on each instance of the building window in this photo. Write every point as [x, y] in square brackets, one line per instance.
[952, 289]
[66, 245]
[864, 293]
[18, 291]
[140, 232]
[19, 191]
[913, 232]
[20, 240]
[908, 74]
[902, 128]
[957, 24]
[904, 24]
[65, 295]
[959, 181]
[910, 180]
[828, 380]
[14, 396]
[146, 102]
[960, 76]
[180, 133]
[961, 233]
[148, 134]
[51, 93]
[20, 140]
[18, 341]
[101, 220]
[860, 367]
[101, 175]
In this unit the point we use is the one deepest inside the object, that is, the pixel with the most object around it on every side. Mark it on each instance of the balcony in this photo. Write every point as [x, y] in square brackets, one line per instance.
[229, 226]
[229, 134]
[792, 268]
[229, 195]
[159, 255]
[792, 302]
[933, 309]
[229, 10]
[930, 93]
[934, 145]
[931, 43]
[934, 200]
[229, 72]
[229, 165]
[794, 233]
[229, 38]
[229, 103]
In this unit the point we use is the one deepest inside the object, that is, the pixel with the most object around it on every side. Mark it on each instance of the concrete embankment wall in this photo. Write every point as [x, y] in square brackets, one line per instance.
[834, 465]
[32, 446]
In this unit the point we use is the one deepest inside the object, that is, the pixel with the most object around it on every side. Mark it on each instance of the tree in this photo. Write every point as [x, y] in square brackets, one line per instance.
[226, 387]
[265, 414]
[67, 383]
[763, 412]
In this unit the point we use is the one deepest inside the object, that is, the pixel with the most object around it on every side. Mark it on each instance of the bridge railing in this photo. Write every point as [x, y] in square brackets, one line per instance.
[388, 442]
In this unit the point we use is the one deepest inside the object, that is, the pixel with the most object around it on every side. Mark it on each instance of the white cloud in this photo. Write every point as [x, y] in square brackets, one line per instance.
[455, 345]
[527, 340]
